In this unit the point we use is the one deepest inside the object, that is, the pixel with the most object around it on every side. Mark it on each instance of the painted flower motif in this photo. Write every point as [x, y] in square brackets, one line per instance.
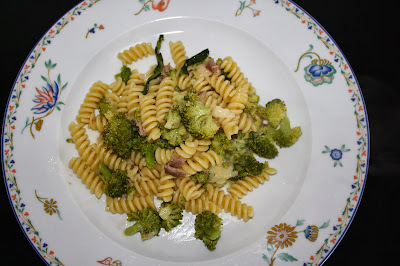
[282, 235]
[319, 74]
[50, 206]
[256, 13]
[46, 99]
[336, 154]
[160, 5]
[311, 233]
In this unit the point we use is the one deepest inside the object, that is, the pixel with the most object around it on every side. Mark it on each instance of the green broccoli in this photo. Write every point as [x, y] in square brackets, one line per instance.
[172, 73]
[124, 74]
[220, 143]
[208, 228]
[200, 177]
[246, 164]
[171, 215]
[104, 106]
[262, 143]
[275, 112]
[148, 223]
[197, 118]
[175, 136]
[286, 136]
[172, 118]
[119, 135]
[115, 182]
[254, 109]
[148, 149]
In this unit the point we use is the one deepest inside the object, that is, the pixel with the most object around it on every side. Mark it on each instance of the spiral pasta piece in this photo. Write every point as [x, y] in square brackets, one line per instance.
[146, 187]
[200, 83]
[138, 159]
[90, 103]
[229, 124]
[97, 122]
[113, 161]
[201, 204]
[150, 173]
[223, 87]
[212, 99]
[201, 161]
[166, 188]
[241, 187]
[134, 53]
[229, 204]
[238, 101]
[234, 73]
[82, 144]
[163, 155]
[87, 176]
[118, 87]
[184, 82]
[203, 145]
[189, 189]
[187, 149]
[164, 98]
[133, 100]
[122, 106]
[136, 79]
[123, 205]
[245, 123]
[149, 119]
[178, 53]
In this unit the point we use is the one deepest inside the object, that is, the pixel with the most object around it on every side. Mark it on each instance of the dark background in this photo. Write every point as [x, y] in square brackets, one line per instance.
[365, 31]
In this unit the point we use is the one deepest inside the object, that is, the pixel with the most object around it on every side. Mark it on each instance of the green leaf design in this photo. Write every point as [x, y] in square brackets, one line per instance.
[147, 8]
[270, 248]
[286, 257]
[300, 222]
[325, 225]
[265, 257]
[45, 79]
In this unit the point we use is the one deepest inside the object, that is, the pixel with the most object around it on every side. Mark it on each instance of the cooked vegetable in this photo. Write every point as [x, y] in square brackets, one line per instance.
[198, 58]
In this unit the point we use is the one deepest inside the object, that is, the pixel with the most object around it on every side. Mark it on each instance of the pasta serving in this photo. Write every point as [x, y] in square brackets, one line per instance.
[185, 134]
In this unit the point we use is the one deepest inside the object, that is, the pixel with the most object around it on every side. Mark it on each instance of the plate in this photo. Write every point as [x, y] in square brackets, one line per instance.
[301, 213]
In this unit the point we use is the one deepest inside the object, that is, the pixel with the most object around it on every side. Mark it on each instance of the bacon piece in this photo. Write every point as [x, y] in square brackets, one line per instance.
[177, 172]
[166, 69]
[138, 126]
[213, 67]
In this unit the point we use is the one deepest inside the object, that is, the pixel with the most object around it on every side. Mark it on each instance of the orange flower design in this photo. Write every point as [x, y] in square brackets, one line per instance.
[282, 235]
[50, 206]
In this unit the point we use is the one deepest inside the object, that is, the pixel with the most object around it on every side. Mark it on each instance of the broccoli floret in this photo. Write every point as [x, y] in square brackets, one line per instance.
[275, 112]
[246, 164]
[208, 228]
[104, 106]
[115, 182]
[172, 73]
[172, 118]
[125, 74]
[220, 143]
[119, 135]
[262, 144]
[148, 149]
[200, 177]
[254, 109]
[286, 136]
[171, 215]
[175, 136]
[197, 118]
[148, 223]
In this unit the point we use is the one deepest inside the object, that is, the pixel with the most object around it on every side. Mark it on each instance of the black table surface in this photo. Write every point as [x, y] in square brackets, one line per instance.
[365, 32]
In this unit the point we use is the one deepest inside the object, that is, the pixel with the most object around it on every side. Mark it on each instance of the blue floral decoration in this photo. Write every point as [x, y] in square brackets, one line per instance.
[336, 154]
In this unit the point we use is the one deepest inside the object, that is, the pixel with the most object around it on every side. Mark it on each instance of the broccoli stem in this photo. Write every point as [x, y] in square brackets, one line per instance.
[212, 233]
[105, 171]
[131, 230]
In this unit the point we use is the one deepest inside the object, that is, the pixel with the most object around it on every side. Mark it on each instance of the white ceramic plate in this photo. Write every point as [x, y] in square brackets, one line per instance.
[301, 214]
